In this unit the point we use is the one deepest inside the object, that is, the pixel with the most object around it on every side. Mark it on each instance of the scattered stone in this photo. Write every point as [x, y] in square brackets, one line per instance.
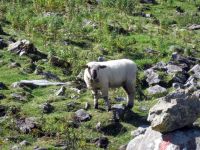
[152, 77]
[156, 89]
[2, 44]
[138, 131]
[25, 47]
[122, 147]
[14, 65]
[180, 77]
[98, 126]
[82, 115]
[2, 110]
[15, 147]
[26, 125]
[192, 81]
[177, 85]
[101, 58]
[176, 48]
[2, 96]
[19, 96]
[118, 111]
[194, 27]
[61, 91]
[120, 99]
[3, 86]
[174, 111]
[72, 106]
[196, 71]
[24, 143]
[173, 69]
[39, 70]
[180, 139]
[160, 66]
[87, 106]
[58, 62]
[36, 83]
[47, 108]
[102, 142]
[50, 76]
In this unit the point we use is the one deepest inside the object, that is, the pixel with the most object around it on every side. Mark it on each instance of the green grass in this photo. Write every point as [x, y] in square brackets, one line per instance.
[79, 32]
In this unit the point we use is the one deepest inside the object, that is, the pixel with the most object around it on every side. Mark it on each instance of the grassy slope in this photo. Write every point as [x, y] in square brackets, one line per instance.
[27, 21]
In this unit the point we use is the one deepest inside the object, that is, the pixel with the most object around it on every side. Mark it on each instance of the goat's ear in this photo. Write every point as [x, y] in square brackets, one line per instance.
[85, 66]
[102, 66]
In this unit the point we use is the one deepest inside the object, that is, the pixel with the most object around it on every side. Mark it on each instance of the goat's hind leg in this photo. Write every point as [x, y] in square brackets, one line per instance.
[130, 90]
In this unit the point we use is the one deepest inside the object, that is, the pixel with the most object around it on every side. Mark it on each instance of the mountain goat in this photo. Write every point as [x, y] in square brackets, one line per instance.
[111, 74]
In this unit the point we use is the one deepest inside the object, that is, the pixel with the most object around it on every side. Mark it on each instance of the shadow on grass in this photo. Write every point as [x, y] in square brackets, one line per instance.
[135, 119]
[113, 129]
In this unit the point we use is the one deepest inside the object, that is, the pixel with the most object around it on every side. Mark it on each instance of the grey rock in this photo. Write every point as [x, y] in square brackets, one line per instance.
[192, 81]
[14, 65]
[47, 108]
[180, 77]
[118, 111]
[98, 126]
[102, 142]
[3, 86]
[36, 83]
[122, 147]
[2, 96]
[101, 58]
[73, 106]
[196, 71]
[152, 77]
[25, 47]
[19, 96]
[185, 139]
[26, 125]
[3, 110]
[176, 49]
[174, 111]
[177, 85]
[194, 27]
[87, 106]
[50, 76]
[160, 66]
[15, 147]
[24, 143]
[156, 89]
[82, 115]
[39, 70]
[61, 91]
[120, 99]
[173, 69]
[139, 131]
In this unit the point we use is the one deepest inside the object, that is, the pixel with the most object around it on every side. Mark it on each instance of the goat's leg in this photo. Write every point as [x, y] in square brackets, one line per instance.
[129, 87]
[95, 95]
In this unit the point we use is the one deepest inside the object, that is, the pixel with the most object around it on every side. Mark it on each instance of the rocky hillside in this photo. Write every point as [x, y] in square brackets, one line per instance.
[44, 103]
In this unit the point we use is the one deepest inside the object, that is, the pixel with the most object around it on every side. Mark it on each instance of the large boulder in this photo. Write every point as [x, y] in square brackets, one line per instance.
[185, 139]
[174, 111]
[156, 89]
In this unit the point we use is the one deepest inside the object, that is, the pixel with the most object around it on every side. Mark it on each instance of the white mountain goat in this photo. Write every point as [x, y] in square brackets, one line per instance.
[111, 74]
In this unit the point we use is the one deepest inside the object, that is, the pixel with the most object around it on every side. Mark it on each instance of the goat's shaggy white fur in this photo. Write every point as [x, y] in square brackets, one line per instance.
[111, 74]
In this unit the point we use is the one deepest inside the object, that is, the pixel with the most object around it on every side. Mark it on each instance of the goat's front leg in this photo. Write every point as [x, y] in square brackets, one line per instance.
[95, 95]
[105, 97]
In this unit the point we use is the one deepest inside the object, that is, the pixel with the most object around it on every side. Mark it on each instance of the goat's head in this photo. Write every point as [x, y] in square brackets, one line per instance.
[93, 70]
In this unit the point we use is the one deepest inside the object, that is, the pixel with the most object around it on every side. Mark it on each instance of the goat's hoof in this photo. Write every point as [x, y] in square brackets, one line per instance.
[129, 107]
